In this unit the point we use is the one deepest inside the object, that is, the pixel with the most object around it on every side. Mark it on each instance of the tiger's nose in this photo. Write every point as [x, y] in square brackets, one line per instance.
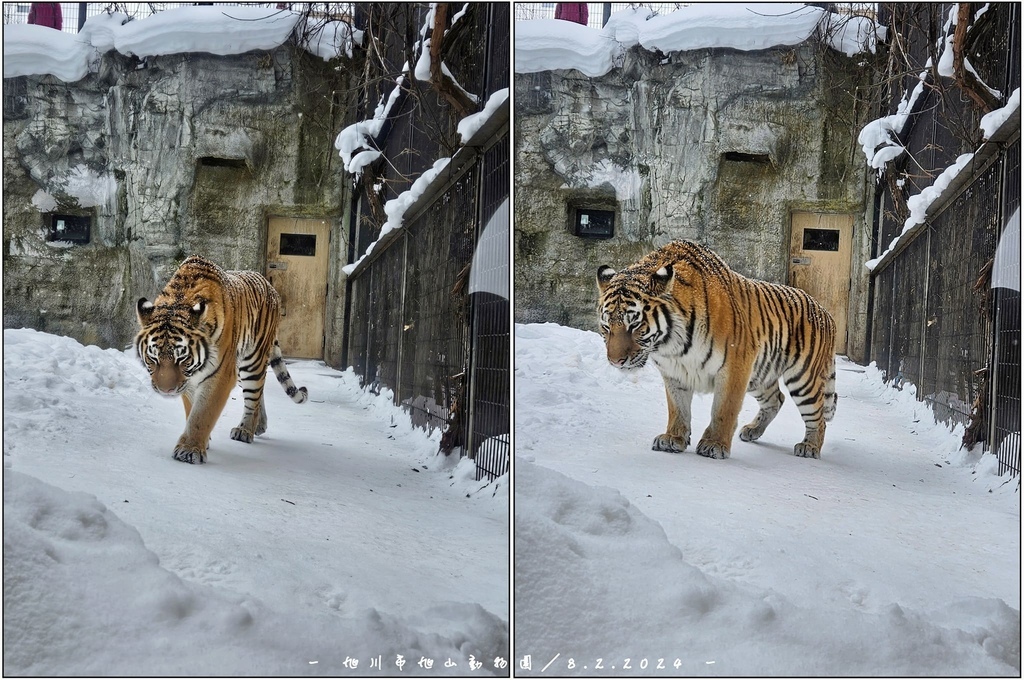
[165, 379]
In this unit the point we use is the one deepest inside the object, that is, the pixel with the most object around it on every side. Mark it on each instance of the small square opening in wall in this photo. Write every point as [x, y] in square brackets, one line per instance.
[298, 244]
[71, 228]
[592, 223]
[821, 239]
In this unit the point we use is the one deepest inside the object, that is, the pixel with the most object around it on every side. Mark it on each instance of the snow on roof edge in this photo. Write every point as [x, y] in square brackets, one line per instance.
[220, 30]
[553, 44]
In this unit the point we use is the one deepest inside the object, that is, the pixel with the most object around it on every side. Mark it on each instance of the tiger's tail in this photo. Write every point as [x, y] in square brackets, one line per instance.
[831, 398]
[298, 394]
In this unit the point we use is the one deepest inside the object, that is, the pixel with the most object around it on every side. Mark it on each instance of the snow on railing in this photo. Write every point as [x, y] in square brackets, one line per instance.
[398, 208]
[920, 205]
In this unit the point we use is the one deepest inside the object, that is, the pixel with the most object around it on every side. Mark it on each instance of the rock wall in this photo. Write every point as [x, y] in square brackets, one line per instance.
[719, 146]
[171, 156]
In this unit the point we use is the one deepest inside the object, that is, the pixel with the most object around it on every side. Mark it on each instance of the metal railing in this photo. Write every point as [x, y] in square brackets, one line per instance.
[937, 322]
[428, 317]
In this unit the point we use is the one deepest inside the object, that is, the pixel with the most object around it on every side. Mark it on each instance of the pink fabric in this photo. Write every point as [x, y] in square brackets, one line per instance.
[572, 11]
[46, 14]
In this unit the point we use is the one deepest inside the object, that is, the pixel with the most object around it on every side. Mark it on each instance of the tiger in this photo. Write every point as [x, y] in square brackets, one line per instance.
[709, 329]
[205, 328]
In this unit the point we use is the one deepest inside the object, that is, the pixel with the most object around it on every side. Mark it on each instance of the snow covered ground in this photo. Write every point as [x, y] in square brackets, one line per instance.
[337, 536]
[895, 554]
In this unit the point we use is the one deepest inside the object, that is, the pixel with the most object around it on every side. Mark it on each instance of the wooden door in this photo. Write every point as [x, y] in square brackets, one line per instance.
[819, 263]
[297, 268]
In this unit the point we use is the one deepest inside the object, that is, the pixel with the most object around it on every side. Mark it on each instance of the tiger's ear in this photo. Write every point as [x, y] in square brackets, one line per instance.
[197, 310]
[604, 276]
[144, 310]
[662, 280]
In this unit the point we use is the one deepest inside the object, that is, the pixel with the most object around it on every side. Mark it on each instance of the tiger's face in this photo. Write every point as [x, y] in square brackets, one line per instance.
[634, 320]
[170, 345]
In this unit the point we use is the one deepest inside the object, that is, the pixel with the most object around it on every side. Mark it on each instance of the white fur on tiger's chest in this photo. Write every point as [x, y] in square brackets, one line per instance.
[690, 368]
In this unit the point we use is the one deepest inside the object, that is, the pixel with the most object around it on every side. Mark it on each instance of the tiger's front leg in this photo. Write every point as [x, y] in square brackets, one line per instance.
[677, 435]
[730, 386]
[206, 403]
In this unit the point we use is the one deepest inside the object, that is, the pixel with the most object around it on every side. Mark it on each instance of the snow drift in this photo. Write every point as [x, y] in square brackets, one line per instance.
[329, 539]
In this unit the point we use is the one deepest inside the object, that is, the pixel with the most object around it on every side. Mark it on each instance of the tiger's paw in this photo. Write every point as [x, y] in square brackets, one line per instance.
[806, 450]
[749, 433]
[189, 454]
[712, 449]
[240, 434]
[670, 443]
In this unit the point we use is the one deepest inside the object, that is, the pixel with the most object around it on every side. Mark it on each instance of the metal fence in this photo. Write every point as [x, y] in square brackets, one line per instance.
[429, 314]
[936, 322]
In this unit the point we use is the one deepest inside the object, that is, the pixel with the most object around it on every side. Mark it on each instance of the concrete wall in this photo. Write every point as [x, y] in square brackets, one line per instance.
[719, 146]
[172, 156]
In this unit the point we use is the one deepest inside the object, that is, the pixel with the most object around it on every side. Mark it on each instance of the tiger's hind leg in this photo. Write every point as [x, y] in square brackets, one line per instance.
[252, 376]
[831, 398]
[769, 398]
[261, 426]
[808, 392]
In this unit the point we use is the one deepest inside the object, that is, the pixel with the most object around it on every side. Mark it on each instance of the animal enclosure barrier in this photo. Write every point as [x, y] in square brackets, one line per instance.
[946, 302]
[428, 320]
[429, 314]
[939, 325]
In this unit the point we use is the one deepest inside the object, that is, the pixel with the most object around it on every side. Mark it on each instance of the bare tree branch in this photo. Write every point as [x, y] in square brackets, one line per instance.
[963, 77]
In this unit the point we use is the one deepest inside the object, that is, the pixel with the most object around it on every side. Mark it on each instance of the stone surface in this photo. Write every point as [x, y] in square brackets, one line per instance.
[172, 155]
[719, 146]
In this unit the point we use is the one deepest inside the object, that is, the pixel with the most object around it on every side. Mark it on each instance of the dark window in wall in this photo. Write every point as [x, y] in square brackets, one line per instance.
[73, 228]
[298, 244]
[741, 157]
[821, 239]
[214, 162]
[592, 223]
